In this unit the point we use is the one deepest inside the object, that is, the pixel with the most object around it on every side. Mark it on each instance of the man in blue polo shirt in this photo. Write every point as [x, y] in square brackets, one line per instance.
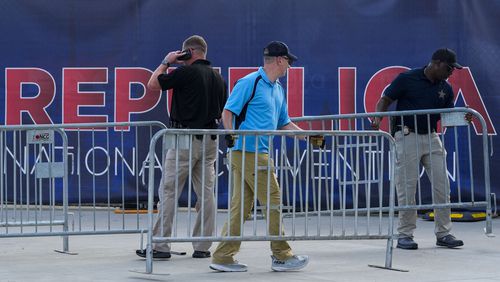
[261, 96]
[417, 142]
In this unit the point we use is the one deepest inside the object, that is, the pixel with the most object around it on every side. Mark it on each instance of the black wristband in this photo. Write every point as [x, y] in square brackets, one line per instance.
[165, 63]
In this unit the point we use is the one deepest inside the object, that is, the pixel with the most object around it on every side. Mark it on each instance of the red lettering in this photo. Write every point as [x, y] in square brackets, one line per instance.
[74, 99]
[35, 106]
[463, 84]
[125, 105]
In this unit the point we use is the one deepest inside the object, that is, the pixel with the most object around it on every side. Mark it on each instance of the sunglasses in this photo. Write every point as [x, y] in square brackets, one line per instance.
[288, 60]
[448, 67]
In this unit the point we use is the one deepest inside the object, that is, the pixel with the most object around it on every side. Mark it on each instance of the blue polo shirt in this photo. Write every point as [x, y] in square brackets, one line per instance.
[266, 111]
[413, 91]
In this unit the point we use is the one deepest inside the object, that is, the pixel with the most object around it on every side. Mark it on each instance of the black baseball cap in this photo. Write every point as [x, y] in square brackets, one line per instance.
[448, 56]
[277, 49]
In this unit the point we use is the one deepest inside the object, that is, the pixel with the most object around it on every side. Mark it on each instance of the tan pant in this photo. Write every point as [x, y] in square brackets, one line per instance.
[166, 192]
[227, 249]
[432, 157]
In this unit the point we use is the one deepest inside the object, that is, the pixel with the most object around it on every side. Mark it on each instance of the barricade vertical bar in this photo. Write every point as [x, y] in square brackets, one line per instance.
[489, 225]
[430, 158]
[356, 178]
[37, 185]
[320, 161]
[308, 167]
[281, 166]
[176, 191]
[344, 184]
[108, 188]
[52, 183]
[14, 178]
[419, 187]
[151, 158]
[242, 184]
[93, 179]
[65, 189]
[2, 171]
[28, 202]
[229, 190]
[471, 175]
[368, 185]
[268, 204]
[216, 182]
[190, 183]
[255, 189]
[332, 182]
[444, 167]
[136, 164]
[299, 171]
[458, 165]
[22, 153]
[390, 232]
[380, 175]
[296, 167]
[204, 153]
[122, 177]
[78, 172]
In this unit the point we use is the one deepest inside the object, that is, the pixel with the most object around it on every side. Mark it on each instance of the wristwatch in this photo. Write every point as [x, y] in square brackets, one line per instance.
[165, 63]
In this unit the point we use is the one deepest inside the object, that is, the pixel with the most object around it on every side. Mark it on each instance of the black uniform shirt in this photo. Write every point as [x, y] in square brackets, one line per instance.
[199, 96]
[414, 91]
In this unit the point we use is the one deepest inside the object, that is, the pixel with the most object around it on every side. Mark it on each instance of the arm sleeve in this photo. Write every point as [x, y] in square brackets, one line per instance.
[451, 98]
[283, 119]
[239, 96]
[173, 79]
[396, 89]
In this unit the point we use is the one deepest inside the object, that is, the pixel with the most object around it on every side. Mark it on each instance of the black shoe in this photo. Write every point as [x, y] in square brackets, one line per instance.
[407, 243]
[201, 254]
[449, 241]
[156, 254]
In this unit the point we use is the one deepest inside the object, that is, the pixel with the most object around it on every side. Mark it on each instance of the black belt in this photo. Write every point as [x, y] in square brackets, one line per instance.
[407, 130]
[175, 124]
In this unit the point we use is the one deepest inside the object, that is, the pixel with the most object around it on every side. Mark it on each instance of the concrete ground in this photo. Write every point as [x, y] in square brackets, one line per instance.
[112, 258]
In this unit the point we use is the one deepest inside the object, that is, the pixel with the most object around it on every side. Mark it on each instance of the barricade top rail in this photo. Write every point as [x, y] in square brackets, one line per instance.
[288, 133]
[389, 113]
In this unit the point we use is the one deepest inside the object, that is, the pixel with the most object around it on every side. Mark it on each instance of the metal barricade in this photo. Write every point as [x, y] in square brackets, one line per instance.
[312, 195]
[73, 179]
[470, 185]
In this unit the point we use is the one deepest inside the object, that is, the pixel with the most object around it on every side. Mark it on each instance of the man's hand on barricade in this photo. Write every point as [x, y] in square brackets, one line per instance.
[468, 117]
[376, 123]
[230, 140]
[317, 141]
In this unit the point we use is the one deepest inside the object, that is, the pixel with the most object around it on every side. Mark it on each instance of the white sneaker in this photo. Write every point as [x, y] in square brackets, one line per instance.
[293, 263]
[229, 267]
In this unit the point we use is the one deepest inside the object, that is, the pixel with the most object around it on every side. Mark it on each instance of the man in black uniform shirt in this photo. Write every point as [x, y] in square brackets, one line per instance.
[199, 96]
[421, 89]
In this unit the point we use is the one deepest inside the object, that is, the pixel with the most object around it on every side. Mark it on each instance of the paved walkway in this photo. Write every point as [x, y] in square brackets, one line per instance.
[112, 258]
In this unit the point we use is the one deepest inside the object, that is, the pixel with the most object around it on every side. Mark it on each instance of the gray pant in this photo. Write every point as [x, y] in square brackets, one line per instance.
[205, 191]
[411, 151]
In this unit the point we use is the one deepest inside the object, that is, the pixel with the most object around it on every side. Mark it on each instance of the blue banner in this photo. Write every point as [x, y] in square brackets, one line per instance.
[89, 61]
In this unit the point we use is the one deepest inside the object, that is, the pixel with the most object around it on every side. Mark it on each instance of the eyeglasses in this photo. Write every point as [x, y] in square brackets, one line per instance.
[288, 60]
[448, 67]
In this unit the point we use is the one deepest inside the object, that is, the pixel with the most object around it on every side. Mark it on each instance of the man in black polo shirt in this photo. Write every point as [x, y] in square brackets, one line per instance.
[199, 96]
[421, 89]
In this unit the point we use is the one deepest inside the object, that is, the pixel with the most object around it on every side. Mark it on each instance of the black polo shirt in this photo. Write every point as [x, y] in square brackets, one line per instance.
[414, 91]
[199, 96]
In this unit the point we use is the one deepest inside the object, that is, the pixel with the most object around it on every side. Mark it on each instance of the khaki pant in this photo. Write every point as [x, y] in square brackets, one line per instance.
[166, 191]
[227, 249]
[411, 151]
